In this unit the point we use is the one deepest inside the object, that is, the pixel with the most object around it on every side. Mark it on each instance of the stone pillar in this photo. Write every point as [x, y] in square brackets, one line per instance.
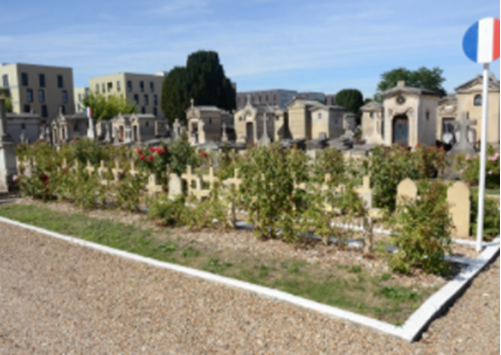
[7, 152]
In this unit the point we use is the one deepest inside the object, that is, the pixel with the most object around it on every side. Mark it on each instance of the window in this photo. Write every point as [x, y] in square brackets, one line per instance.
[143, 110]
[372, 115]
[129, 85]
[97, 88]
[146, 99]
[110, 86]
[5, 81]
[41, 95]
[477, 101]
[155, 111]
[24, 79]
[60, 83]
[136, 99]
[29, 95]
[65, 97]
[155, 99]
[146, 124]
[141, 86]
[75, 127]
[45, 113]
[27, 108]
[79, 108]
[119, 86]
[103, 87]
[319, 116]
[210, 120]
[23, 125]
[152, 86]
[41, 80]
[427, 115]
[63, 109]
[79, 97]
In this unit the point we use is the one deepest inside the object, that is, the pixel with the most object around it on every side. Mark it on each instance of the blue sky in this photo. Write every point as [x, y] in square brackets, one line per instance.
[315, 45]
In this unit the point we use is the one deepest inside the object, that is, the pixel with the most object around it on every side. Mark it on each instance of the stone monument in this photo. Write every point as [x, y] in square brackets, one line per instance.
[463, 146]
[7, 151]
[265, 139]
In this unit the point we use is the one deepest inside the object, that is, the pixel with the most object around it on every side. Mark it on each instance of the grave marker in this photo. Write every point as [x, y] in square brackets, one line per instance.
[458, 198]
[406, 191]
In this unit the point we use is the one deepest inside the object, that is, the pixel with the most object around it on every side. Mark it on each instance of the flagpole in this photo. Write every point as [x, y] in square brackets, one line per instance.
[483, 159]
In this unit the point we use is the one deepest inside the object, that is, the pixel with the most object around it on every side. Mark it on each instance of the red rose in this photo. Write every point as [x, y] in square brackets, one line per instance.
[417, 145]
[204, 154]
[46, 182]
[139, 151]
[152, 150]
[141, 157]
[164, 151]
[44, 177]
[150, 158]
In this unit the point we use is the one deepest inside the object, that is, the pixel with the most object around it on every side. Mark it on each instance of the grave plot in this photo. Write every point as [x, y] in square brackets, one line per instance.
[348, 210]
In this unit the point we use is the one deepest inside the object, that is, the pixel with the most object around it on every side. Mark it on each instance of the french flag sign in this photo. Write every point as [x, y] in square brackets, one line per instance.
[88, 112]
[481, 41]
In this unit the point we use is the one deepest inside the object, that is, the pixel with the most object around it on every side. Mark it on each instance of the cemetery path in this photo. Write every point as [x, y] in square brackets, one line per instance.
[57, 297]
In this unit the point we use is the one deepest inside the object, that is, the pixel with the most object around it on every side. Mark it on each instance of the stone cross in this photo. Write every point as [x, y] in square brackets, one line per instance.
[192, 102]
[101, 171]
[224, 138]
[89, 168]
[117, 171]
[133, 170]
[211, 179]
[365, 192]
[265, 140]
[76, 166]
[189, 177]
[199, 192]
[463, 146]
[152, 187]
[235, 181]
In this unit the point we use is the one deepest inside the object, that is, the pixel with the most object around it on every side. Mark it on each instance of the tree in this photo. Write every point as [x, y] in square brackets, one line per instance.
[422, 78]
[203, 80]
[175, 96]
[351, 100]
[105, 108]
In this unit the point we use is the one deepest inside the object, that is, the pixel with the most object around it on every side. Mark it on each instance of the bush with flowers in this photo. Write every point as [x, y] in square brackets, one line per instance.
[468, 166]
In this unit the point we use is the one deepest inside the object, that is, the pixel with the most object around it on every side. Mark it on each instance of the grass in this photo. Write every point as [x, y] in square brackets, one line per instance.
[348, 287]
[494, 192]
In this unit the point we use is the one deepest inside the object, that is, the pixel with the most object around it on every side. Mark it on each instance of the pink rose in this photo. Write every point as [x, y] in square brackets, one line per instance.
[467, 157]
[490, 172]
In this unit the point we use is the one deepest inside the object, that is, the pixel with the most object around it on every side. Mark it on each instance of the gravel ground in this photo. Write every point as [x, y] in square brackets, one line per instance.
[58, 298]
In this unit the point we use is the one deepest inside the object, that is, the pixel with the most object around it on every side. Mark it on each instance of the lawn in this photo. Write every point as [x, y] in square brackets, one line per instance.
[348, 287]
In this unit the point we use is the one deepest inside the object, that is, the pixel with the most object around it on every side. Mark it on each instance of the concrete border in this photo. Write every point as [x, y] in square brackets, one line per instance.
[410, 331]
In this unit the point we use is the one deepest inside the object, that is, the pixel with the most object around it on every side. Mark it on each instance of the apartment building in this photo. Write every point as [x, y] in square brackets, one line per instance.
[80, 94]
[278, 97]
[40, 89]
[144, 90]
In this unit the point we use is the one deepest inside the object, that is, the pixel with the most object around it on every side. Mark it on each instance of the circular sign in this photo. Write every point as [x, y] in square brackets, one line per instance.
[481, 41]
[400, 100]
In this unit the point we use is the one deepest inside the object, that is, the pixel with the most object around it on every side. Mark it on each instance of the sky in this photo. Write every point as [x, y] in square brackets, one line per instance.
[313, 45]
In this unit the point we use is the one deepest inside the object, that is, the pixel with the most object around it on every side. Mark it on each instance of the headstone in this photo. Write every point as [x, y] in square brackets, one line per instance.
[463, 145]
[152, 187]
[107, 137]
[176, 127]
[8, 166]
[458, 198]
[224, 137]
[406, 191]
[377, 134]
[175, 185]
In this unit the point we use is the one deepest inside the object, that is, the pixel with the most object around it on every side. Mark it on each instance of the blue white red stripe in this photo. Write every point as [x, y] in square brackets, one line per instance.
[88, 112]
[481, 41]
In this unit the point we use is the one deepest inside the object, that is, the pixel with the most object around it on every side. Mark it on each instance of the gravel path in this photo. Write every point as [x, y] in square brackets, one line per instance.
[58, 298]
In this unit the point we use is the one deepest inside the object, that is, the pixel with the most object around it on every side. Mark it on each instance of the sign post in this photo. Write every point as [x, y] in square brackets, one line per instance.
[90, 130]
[481, 45]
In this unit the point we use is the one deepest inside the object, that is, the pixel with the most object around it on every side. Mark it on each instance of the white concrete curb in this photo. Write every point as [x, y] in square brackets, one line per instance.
[410, 330]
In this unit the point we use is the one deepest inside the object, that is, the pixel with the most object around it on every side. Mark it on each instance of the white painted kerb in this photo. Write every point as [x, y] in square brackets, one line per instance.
[409, 331]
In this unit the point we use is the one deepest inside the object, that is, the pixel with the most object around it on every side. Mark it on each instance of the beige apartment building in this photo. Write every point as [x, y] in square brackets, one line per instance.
[40, 89]
[80, 95]
[144, 90]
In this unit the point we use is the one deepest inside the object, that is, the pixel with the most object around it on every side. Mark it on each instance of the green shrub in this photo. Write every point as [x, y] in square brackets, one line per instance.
[168, 212]
[468, 166]
[422, 233]
[491, 217]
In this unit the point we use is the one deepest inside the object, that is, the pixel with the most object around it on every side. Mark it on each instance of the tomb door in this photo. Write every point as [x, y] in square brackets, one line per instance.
[401, 130]
[194, 129]
[250, 132]
[122, 133]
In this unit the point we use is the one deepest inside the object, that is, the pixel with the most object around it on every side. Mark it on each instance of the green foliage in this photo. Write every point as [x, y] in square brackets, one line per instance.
[105, 108]
[389, 166]
[423, 78]
[175, 94]
[8, 104]
[351, 100]
[128, 191]
[329, 161]
[168, 212]
[491, 216]
[203, 79]
[422, 233]
[468, 166]
[267, 192]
